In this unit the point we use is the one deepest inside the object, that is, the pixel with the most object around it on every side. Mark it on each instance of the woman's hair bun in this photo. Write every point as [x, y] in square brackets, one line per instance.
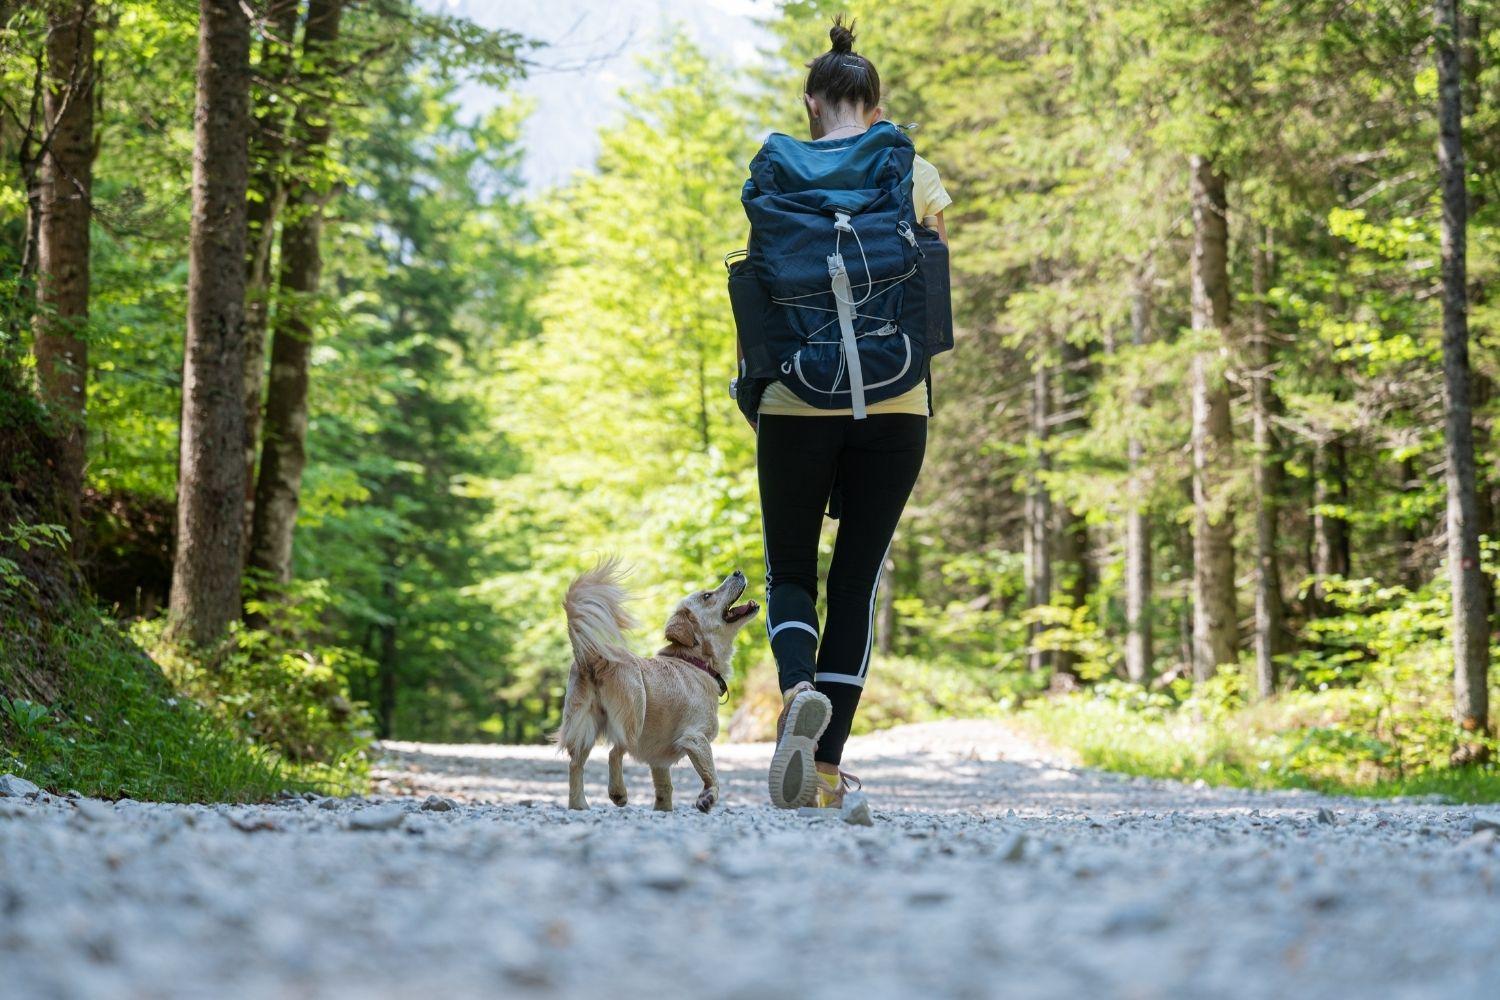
[841, 35]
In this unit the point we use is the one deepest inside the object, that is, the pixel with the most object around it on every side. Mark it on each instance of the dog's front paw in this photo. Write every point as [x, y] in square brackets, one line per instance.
[617, 797]
[707, 799]
[579, 803]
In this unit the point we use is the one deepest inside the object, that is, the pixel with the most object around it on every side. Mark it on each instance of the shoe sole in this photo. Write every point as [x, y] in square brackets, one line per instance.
[793, 773]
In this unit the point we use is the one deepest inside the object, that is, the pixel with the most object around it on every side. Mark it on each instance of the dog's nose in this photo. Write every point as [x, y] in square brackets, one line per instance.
[739, 574]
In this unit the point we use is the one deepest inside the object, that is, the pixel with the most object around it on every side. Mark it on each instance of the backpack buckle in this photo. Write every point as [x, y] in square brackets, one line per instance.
[841, 222]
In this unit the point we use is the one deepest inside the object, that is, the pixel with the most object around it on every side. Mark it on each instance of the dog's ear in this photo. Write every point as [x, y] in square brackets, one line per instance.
[682, 629]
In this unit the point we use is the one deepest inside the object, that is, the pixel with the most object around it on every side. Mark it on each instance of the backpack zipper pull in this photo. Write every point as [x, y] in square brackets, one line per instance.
[904, 228]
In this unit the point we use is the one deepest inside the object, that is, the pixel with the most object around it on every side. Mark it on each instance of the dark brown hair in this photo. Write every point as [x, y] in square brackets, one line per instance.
[841, 74]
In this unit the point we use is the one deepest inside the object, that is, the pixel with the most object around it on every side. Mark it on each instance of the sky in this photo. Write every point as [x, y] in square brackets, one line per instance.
[592, 50]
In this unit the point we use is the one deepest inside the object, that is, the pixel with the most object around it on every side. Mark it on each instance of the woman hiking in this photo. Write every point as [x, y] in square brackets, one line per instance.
[866, 462]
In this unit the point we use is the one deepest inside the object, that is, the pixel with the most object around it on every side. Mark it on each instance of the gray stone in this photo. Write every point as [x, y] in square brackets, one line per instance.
[927, 895]
[329, 803]
[1480, 840]
[436, 803]
[93, 810]
[1485, 822]
[814, 812]
[666, 876]
[377, 818]
[253, 822]
[1325, 816]
[10, 784]
[1013, 848]
[1135, 918]
[856, 810]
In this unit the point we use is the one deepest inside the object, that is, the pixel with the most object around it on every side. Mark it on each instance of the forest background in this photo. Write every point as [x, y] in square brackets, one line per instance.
[1218, 422]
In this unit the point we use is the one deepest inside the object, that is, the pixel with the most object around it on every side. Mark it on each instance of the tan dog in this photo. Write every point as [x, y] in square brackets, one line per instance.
[657, 708]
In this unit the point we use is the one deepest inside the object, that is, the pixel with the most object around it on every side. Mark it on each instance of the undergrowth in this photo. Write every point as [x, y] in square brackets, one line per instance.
[110, 726]
[1312, 740]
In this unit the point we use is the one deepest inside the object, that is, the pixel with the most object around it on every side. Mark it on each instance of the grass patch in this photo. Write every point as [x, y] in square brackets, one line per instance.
[102, 719]
[910, 689]
[1300, 741]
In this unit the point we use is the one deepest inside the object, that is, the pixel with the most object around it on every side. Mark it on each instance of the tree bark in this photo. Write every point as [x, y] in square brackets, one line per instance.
[1072, 546]
[1269, 612]
[1215, 623]
[1039, 513]
[62, 286]
[267, 193]
[1330, 556]
[1137, 521]
[1470, 632]
[283, 458]
[211, 477]
[1408, 534]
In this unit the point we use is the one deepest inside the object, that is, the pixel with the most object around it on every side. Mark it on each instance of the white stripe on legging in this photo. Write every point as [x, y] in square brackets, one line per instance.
[793, 624]
[870, 624]
[765, 550]
[858, 682]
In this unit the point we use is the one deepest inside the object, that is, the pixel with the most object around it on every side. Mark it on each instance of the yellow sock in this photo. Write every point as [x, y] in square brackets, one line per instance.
[831, 780]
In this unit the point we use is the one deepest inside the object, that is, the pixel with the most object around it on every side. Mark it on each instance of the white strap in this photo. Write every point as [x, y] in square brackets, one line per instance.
[845, 302]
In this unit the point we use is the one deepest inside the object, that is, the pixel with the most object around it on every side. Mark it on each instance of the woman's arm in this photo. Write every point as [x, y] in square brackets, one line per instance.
[939, 226]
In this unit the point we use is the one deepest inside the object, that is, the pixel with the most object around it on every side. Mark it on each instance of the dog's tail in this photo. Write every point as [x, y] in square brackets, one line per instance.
[597, 620]
[597, 617]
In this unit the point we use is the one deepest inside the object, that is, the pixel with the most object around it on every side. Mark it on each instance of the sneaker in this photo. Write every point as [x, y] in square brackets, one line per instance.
[831, 793]
[794, 780]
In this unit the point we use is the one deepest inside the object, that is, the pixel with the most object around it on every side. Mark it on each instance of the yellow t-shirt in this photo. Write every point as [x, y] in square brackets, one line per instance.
[928, 198]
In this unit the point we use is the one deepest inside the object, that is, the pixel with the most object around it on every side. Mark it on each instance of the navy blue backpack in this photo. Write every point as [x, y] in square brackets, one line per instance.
[842, 294]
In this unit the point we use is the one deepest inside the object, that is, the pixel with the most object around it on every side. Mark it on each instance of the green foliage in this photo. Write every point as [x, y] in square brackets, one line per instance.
[625, 438]
[915, 690]
[1370, 712]
[277, 690]
[503, 389]
[109, 725]
[23, 537]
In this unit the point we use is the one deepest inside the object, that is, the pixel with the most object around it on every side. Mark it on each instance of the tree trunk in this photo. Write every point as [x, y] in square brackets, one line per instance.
[1072, 545]
[1039, 513]
[266, 196]
[1470, 633]
[1269, 613]
[1408, 533]
[1137, 519]
[62, 287]
[211, 476]
[284, 452]
[1215, 623]
[1330, 556]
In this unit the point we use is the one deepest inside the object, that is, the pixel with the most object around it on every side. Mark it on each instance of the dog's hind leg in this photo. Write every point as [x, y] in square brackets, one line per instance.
[661, 779]
[617, 775]
[577, 757]
[702, 758]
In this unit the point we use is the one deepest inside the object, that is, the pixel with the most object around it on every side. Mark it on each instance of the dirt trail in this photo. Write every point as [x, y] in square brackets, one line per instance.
[992, 870]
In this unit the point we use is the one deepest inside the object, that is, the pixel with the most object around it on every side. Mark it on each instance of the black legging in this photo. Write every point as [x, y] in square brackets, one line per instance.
[876, 461]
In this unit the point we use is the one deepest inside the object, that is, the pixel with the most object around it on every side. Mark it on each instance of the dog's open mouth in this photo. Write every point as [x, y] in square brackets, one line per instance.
[739, 611]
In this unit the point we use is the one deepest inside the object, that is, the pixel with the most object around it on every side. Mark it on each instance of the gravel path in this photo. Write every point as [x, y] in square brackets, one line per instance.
[991, 871]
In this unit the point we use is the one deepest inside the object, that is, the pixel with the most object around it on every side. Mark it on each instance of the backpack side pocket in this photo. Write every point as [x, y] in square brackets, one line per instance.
[752, 318]
[927, 308]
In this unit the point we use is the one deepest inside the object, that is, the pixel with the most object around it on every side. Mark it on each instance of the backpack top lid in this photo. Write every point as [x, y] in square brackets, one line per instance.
[879, 157]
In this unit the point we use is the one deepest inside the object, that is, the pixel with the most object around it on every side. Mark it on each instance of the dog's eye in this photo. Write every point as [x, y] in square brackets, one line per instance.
[706, 595]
